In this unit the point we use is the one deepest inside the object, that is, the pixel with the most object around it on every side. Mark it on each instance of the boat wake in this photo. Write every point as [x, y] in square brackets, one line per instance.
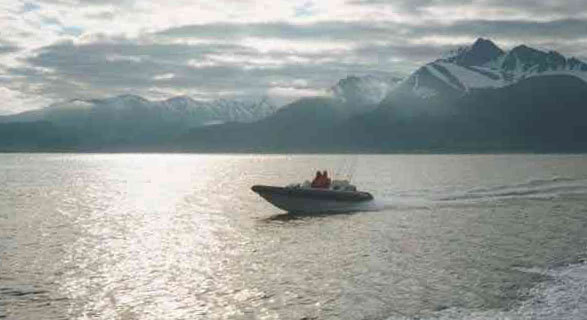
[562, 296]
[539, 189]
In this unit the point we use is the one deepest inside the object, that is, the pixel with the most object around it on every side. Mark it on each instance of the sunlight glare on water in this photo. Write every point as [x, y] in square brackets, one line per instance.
[148, 236]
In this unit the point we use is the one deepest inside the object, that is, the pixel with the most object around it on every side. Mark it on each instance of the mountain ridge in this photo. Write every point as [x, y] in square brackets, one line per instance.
[471, 104]
[480, 99]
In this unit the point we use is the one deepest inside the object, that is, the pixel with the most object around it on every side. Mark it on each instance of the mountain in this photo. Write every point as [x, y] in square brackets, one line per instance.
[537, 114]
[130, 119]
[299, 126]
[130, 122]
[481, 99]
[35, 136]
[484, 65]
[294, 127]
[363, 93]
[182, 109]
[481, 52]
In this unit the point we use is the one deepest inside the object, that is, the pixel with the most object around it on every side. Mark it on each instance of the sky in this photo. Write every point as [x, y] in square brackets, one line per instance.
[56, 50]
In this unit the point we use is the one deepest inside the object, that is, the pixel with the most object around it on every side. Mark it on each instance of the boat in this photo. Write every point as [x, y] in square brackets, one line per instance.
[339, 197]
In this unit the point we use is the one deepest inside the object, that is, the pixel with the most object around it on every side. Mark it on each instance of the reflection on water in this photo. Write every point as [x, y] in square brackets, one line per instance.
[288, 217]
[183, 237]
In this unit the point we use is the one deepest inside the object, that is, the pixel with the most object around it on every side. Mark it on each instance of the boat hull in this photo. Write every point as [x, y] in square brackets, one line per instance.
[300, 200]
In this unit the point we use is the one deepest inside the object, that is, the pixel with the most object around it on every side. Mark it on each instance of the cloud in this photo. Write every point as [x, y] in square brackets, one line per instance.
[163, 77]
[509, 30]
[476, 9]
[362, 32]
[7, 48]
[320, 31]
[60, 49]
[123, 63]
[28, 7]
[122, 66]
[120, 3]
[389, 41]
[18, 100]
[292, 93]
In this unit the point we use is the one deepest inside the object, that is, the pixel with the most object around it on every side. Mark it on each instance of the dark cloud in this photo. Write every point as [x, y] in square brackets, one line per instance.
[127, 65]
[123, 64]
[365, 32]
[533, 7]
[508, 29]
[112, 65]
[7, 48]
[70, 55]
[381, 43]
[167, 61]
[548, 7]
[28, 7]
[333, 31]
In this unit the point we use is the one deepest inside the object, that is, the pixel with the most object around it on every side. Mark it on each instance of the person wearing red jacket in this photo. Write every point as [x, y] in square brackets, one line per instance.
[321, 180]
[318, 180]
[327, 181]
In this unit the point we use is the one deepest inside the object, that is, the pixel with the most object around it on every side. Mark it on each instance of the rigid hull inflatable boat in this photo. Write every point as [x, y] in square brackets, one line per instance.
[340, 197]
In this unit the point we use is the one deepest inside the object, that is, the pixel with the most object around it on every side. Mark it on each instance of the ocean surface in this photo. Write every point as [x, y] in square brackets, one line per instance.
[172, 236]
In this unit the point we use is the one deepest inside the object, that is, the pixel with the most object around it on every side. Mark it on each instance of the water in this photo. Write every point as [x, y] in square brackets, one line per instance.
[146, 236]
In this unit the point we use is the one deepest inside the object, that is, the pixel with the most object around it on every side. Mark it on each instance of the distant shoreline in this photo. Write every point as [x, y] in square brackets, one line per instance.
[404, 152]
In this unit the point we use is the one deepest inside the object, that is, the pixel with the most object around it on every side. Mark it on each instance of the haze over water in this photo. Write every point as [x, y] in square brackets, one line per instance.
[148, 236]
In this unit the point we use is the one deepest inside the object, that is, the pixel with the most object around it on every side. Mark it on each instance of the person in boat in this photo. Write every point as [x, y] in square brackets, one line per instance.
[321, 180]
[327, 180]
[317, 180]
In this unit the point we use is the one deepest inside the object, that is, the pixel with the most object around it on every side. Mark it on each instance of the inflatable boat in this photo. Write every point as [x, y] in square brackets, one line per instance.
[340, 197]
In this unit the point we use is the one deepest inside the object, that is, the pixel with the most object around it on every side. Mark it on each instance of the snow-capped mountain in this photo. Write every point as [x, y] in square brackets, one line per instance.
[221, 110]
[484, 65]
[481, 52]
[479, 99]
[361, 91]
[182, 110]
[130, 120]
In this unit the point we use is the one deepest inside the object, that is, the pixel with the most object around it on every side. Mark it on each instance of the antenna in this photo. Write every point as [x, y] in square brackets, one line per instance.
[352, 168]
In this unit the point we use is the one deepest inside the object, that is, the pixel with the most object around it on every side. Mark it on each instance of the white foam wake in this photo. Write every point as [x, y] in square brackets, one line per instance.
[563, 297]
[539, 188]
[533, 189]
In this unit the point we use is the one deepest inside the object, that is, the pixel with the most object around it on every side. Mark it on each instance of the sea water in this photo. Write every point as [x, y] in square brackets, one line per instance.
[174, 236]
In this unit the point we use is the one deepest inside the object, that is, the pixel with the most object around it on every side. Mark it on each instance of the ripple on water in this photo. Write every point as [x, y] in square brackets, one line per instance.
[182, 237]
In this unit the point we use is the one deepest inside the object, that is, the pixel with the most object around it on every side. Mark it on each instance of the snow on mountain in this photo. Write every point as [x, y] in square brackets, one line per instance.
[221, 110]
[481, 52]
[484, 65]
[121, 102]
[466, 78]
[237, 111]
[362, 93]
[182, 110]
